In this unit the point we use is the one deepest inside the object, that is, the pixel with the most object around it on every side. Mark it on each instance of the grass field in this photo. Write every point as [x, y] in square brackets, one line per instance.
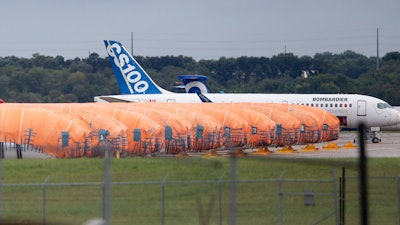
[185, 199]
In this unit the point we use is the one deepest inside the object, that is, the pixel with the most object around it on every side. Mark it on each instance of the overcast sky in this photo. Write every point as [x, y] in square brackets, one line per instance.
[202, 29]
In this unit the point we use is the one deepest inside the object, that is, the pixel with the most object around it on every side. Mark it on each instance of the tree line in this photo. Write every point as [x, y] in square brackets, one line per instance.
[55, 79]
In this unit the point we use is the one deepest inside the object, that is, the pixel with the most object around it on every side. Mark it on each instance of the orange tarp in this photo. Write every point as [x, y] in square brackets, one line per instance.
[141, 128]
[46, 126]
[236, 129]
[331, 124]
[261, 129]
[290, 126]
[311, 130]
[181, 128]
[210, 127]
[312, 117]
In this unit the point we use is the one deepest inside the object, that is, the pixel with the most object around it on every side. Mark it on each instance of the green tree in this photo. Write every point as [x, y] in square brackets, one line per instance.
[353, 64]
[391, 56]
[286, 64]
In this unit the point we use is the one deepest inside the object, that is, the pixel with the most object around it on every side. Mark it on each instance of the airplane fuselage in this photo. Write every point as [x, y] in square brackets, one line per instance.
[351, 109]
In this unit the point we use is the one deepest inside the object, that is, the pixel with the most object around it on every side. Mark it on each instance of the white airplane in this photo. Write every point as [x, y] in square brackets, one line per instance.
[351, 109]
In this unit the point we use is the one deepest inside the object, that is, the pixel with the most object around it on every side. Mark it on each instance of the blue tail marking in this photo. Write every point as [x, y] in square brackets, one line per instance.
[131, 77]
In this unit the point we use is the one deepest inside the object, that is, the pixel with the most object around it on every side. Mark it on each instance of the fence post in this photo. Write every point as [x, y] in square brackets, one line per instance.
[280, 194]
[44, 201]
[398, 198]
[233, 188]
[163, 199]
[335, 192]
[1, 187]
[107, 196]
[342, 196]
[219, 199]
[364, 216]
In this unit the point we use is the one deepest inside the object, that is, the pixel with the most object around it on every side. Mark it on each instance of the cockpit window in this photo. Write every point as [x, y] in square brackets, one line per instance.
[384, 105]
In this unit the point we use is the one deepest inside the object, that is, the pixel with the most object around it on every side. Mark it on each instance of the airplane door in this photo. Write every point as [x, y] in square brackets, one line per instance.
[171, 100]
[361, 108]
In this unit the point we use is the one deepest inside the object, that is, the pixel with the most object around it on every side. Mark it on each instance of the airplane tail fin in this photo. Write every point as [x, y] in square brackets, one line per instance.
[195, 83]
[131, 77]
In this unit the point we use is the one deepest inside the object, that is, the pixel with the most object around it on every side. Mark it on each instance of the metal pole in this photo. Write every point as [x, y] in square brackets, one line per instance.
[107, 187]
[377, 49]
[363, 177]
[163, 199]
[219, 199]
[280, 194]
[132, 43]
[233, 189]
[44, 201]
[398, 199]
[1, 186]
[343, 196]
[335, 191]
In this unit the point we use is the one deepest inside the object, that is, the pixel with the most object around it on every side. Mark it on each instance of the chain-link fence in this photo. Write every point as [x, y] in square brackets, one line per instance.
[222, 201]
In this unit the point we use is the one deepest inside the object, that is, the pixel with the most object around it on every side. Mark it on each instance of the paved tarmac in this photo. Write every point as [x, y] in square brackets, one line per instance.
[348, 147]
[12, 154]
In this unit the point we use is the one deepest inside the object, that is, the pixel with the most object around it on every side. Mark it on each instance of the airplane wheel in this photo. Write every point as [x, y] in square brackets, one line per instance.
[375, 140]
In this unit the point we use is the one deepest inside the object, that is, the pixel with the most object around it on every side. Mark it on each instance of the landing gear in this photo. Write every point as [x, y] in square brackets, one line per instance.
[374, 134]
[376, 140]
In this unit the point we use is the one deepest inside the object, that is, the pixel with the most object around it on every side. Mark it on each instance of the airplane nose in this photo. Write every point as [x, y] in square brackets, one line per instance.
[394, 117]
